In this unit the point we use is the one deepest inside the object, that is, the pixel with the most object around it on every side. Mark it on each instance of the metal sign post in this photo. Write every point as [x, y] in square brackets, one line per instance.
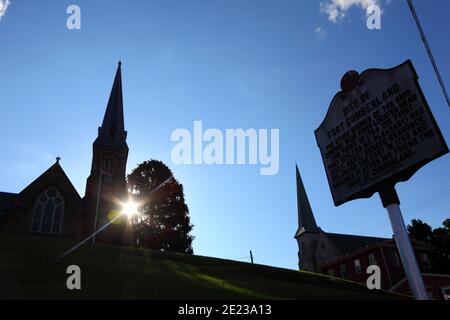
[391, 202]
[99, 187]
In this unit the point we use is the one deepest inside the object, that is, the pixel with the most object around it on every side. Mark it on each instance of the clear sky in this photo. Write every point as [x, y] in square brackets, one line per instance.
[232, 64]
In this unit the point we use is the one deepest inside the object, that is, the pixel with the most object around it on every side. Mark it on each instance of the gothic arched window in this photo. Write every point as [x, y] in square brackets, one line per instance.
[108, 164]
[48, 212]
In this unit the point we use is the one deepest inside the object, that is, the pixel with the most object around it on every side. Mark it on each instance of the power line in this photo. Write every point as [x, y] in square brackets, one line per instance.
[412, 209]
[427, 204]
[430, 53]
[431, 198]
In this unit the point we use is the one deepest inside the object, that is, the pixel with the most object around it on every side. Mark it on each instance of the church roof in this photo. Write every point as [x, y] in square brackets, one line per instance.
[347, 243]
[6, 201]
[112, 132]
[54, 169]
[306, 220]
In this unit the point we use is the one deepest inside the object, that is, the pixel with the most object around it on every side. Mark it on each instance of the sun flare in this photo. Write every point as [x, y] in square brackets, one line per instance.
[129, 208]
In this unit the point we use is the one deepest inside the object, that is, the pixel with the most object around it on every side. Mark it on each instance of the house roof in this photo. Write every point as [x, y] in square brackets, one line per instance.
[54, 168]
[6, 201]
[382, 242]
[425, 276]
[347, 243]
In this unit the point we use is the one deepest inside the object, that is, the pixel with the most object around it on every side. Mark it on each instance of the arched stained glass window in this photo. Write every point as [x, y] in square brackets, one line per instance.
[48, 212]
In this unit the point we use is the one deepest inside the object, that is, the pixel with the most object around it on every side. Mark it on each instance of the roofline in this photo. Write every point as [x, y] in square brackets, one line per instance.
[403, 280]
[70, 182]
[9, 193]
[298, 234]
[357, 235]
[50, 168]
[356, 252]
[370, 247]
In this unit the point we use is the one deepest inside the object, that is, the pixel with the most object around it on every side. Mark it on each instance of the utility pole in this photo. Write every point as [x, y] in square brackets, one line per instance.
[251, 256]
[428, 48]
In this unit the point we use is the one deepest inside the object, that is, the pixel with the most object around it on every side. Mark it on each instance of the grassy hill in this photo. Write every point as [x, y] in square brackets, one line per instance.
[29, 269]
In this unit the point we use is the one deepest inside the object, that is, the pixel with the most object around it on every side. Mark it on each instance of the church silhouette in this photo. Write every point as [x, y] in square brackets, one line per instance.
[50, 205]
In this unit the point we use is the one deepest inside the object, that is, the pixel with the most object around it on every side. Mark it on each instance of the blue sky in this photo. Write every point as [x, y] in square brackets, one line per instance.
[232, 64]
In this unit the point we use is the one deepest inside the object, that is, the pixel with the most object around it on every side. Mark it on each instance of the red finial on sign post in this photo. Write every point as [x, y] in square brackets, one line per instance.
[349, 81]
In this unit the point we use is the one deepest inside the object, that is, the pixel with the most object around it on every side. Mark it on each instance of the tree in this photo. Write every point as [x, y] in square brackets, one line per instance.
[420, 231]
[163, 221]
[441, 240]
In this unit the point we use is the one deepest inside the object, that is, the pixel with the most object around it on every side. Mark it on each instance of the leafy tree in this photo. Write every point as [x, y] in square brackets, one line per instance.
[441, 240]
[163, 221]
[438, 238]
[420, 231]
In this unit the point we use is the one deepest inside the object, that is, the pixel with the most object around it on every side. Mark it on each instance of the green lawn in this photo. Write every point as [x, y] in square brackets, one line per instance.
[29, 269]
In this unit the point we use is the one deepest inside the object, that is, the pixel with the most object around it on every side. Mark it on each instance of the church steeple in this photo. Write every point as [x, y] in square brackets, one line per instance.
[306, 221]
[106, 186]
[112, 132]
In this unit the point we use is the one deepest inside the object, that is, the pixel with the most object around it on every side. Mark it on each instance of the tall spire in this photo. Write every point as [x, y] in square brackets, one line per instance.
[112, 132]
[306, 221]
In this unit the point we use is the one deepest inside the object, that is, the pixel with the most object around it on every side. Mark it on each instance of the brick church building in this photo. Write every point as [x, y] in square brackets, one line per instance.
[348, 256]
[51, 205]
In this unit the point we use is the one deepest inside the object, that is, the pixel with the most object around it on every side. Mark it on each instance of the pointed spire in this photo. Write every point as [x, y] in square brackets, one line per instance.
[112, 132]
[306, 221]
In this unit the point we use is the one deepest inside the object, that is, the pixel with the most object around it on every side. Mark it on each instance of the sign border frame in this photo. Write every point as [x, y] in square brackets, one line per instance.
[403, 175]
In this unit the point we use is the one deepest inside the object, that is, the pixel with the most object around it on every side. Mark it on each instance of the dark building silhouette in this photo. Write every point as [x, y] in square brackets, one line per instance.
[109, 161]
[316, 247]
[51, 204]
[348, 256]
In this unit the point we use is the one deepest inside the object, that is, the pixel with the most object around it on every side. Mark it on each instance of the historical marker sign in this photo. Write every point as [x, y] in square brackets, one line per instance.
[378, 131]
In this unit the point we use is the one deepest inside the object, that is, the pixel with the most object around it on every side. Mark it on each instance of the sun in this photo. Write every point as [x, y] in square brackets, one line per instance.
[129, 208]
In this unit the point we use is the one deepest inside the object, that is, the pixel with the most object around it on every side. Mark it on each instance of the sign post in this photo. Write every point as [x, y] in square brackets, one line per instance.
[99, 188]
[378, 131]
[391, 202]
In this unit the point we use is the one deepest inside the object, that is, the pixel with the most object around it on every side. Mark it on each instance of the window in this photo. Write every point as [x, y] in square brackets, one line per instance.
[425, 261]
[358, 268]
[372, 260]
[48, 212]
[394, 259]
[343, 271]
[108, 164]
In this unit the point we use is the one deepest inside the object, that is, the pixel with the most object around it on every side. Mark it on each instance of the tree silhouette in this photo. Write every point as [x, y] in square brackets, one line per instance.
[163, 221]
[441, 240]
[420, 230]
[438, 238]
